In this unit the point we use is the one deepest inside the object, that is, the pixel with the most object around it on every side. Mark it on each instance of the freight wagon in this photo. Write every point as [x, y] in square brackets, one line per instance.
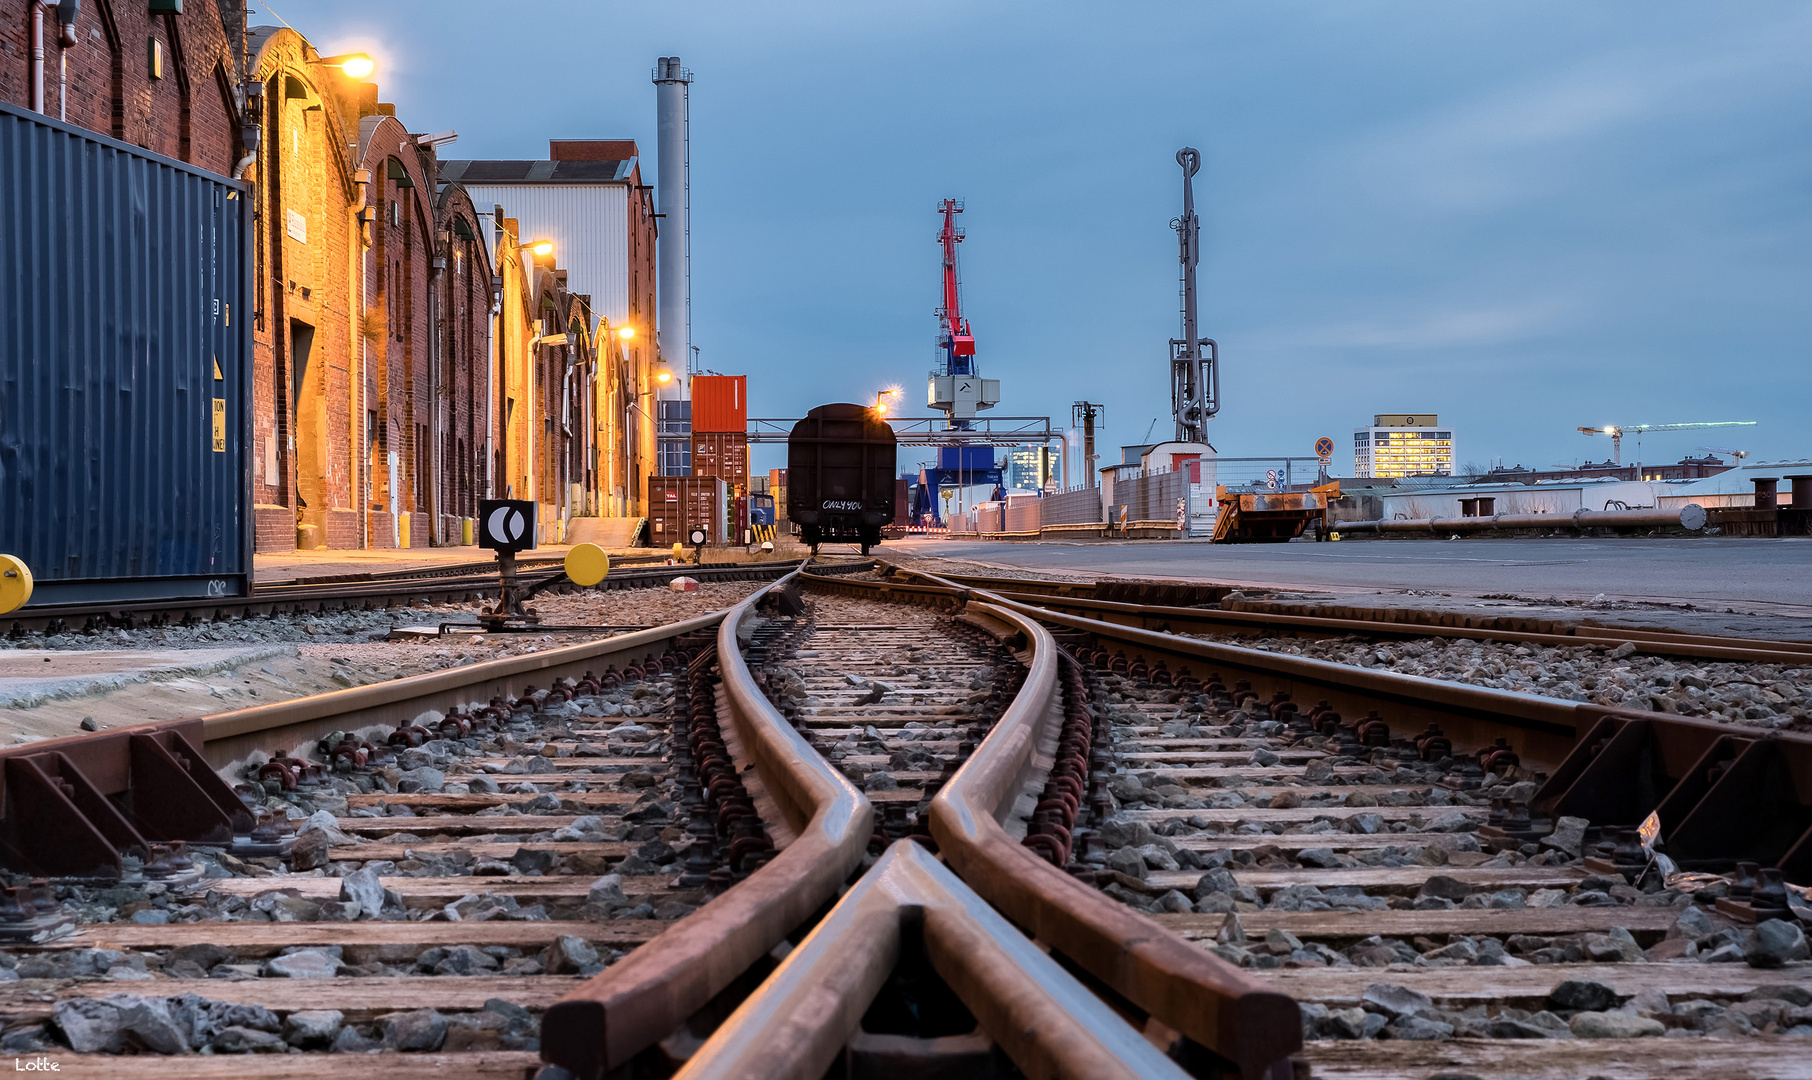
[840, 464]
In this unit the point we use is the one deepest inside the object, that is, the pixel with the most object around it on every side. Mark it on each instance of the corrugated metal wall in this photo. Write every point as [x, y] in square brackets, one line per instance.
[1080, 506]
[589, 225]
[122, 282]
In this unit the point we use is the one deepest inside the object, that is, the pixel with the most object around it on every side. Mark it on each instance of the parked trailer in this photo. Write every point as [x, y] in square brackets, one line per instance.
[841, 462]
[125, 388]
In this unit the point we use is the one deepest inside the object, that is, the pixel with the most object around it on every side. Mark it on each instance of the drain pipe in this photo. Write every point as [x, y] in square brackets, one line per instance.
[67, 11]
[251, 129]
[37, 56]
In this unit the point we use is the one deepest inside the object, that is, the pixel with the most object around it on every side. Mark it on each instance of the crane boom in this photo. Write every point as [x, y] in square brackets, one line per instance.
[958, 339]
[1618, 431]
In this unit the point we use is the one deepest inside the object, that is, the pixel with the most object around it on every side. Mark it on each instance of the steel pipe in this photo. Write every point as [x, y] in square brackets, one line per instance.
[638, 1001]
[1691, 517]
[796, 1024]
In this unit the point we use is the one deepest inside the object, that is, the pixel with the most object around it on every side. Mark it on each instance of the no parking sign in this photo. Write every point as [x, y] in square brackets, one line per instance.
[1324, 449]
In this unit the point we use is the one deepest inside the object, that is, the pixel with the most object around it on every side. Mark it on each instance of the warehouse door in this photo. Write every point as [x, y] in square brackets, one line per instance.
[309, 449]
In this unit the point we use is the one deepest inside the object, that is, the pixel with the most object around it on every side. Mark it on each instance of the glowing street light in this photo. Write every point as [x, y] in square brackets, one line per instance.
[880, 405]
[626, 332]
[541, 248]
[663, 376]
[355, 65]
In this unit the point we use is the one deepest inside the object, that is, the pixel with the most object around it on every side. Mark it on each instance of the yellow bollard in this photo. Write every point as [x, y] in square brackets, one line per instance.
[15, 583]
[465, 532]
[586, 564]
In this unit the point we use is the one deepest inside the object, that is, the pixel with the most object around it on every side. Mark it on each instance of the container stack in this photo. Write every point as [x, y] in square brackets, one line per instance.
[720, 429]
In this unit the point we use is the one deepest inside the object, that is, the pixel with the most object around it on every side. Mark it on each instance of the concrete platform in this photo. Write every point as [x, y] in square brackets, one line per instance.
[1756, 587]
[30, 677]
[325, 562]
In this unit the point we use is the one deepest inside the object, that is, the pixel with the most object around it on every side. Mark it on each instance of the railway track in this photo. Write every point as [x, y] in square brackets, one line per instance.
[908, 824]
[356, 592]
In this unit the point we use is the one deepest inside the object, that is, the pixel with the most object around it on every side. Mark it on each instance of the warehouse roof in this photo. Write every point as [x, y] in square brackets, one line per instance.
[467, 171]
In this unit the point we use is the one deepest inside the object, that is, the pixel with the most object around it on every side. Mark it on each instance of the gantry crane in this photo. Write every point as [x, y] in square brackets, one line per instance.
[1617, 431]
[956, 387]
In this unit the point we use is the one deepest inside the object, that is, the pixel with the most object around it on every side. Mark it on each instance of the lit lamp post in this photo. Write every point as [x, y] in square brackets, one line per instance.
[880, 405]
[355, 65]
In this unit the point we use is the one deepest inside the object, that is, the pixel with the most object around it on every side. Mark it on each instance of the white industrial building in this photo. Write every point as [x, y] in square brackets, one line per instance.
[1736, 487]
[586, 208]
[1416, 504]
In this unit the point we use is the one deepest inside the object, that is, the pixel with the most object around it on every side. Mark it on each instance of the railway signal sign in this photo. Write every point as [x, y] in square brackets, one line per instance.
[506, 524]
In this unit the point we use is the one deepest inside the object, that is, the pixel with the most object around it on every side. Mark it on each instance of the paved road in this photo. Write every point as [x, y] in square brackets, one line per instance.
[1765, 574]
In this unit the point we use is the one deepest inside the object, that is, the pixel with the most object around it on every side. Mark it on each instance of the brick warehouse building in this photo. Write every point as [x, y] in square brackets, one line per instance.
[160, 76]
[379, 361]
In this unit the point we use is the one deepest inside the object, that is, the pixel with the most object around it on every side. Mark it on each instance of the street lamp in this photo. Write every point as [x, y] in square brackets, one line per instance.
[663, 376]
[541, 248]
[626, 332]
[880, 406]
[355, 65]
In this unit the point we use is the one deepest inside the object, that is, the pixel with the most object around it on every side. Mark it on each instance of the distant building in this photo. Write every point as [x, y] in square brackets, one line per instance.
[1029, 469]
[1688, 468]
[1403, 444]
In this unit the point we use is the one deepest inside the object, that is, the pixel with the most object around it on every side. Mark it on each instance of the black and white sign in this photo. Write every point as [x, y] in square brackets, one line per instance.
[506, 524]
[699, 536]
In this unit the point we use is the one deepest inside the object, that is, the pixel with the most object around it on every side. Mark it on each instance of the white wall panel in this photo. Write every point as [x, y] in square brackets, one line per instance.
[589, 225]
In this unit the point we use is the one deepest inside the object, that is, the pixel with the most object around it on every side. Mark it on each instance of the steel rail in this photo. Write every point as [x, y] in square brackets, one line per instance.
[1077, 597]
[1215, 620]
[282, 599]
[798, 1021]
[638, 1001]
[1183, 987]
[285, 725]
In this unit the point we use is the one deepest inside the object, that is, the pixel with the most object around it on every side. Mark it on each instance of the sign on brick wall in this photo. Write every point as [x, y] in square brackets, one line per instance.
[298, 227]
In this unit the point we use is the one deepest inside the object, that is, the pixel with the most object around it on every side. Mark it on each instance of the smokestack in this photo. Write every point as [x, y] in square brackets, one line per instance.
[673, 190]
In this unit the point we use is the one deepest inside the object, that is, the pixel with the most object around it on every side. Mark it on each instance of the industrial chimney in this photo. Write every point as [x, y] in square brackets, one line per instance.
[673, 193]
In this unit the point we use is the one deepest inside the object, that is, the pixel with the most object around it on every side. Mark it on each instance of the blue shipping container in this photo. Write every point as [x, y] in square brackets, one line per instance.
[125, 364]
[965, 458]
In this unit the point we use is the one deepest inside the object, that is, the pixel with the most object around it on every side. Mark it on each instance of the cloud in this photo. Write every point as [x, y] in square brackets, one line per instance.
[1463, 326]
[1531, 138]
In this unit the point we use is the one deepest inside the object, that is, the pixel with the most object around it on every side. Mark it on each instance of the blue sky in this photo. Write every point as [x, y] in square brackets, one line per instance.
[1525, 217]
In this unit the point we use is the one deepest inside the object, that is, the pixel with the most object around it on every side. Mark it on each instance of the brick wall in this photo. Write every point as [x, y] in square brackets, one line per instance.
[105, 81]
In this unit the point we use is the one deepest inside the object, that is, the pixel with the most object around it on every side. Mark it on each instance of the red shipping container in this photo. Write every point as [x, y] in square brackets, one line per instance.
[724, 455]
[720, 403]
[678, 504]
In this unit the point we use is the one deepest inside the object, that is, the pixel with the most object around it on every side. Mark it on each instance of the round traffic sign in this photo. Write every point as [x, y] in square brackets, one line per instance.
[586, 564]
[1324, 447]
[15, 583]
[699, 536]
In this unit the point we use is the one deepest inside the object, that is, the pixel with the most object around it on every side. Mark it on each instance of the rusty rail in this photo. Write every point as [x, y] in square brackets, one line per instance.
[638, 1001]
[1186, 989]
[1049, 1023]
[1183, 988]
[1709, 782]
[1081, 598]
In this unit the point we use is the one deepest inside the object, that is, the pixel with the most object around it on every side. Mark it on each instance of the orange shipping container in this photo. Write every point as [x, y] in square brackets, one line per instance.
[720, 403]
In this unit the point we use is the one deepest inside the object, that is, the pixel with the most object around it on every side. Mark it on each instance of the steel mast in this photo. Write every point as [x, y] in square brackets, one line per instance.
[1195, 377]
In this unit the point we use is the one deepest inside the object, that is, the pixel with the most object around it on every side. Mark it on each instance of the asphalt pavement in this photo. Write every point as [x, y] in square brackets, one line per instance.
[1762, 577]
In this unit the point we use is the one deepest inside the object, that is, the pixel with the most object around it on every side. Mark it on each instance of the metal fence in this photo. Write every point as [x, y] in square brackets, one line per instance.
[1150, 497]
[1077, 506]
